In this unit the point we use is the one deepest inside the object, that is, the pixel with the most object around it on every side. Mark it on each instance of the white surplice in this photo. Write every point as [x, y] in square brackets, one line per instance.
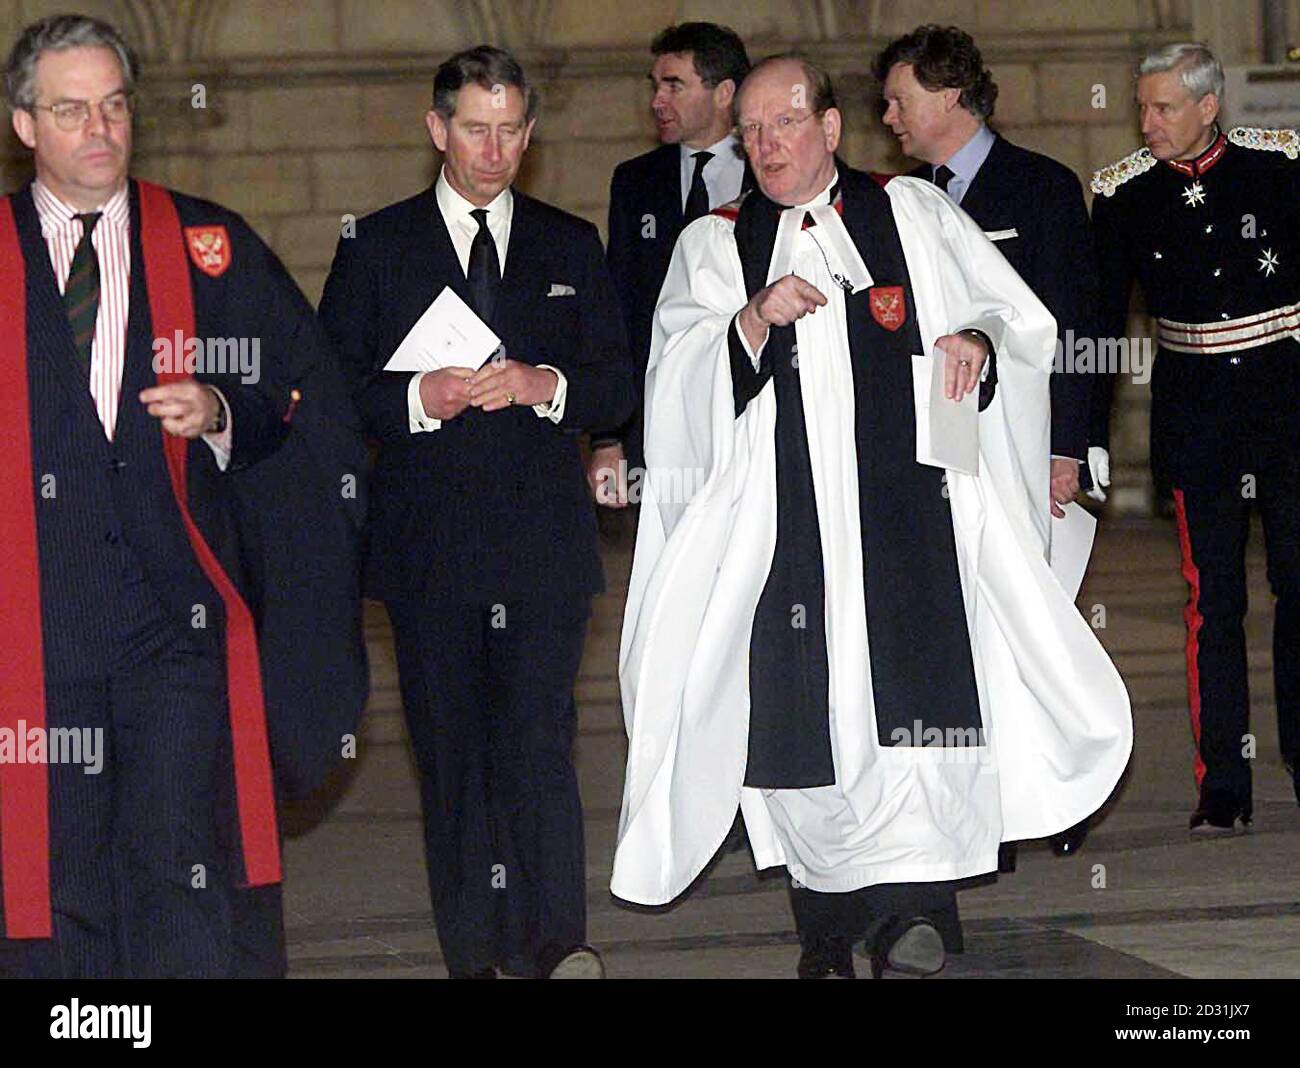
[1057, 722]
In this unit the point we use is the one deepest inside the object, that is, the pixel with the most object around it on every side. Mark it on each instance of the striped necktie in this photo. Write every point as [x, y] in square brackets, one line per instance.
[81, 294]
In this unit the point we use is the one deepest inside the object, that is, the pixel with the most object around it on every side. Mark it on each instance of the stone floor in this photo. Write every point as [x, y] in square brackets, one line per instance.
[1141, 900]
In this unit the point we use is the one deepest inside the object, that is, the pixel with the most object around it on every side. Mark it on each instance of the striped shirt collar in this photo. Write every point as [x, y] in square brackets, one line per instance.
[55, 215]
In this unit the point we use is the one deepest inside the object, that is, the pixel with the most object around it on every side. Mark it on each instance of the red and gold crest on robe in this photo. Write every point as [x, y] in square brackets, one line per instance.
[209, 248]
[888, 306]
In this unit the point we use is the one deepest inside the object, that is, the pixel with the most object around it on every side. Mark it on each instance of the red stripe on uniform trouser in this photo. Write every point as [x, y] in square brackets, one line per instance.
[171, 305]
[24, 788]
[1193, 618]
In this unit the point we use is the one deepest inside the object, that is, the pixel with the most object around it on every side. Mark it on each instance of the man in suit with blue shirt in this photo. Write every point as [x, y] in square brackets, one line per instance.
[698, 166]
[482, 540]
[938, 98]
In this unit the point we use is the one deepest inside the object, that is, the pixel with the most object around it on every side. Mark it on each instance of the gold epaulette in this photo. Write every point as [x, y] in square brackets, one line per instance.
[1285, 141]
[1108, 179]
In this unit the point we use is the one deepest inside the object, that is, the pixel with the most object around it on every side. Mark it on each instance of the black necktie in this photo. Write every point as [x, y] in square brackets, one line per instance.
[484, 273]
[697, 200]
[81, 294]
[942, 176]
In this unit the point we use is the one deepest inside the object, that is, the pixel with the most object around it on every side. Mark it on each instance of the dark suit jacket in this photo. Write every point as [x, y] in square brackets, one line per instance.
[644, 190]
[113, 550]
[1042, 200]
[492, 505]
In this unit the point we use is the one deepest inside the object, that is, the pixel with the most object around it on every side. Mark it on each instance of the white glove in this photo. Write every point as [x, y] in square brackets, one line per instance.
[1099, 468]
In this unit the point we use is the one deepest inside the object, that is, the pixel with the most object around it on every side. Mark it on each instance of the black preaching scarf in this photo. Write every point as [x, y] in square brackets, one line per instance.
[922, 674]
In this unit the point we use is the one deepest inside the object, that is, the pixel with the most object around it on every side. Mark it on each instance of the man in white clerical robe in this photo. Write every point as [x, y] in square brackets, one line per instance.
[859, 643]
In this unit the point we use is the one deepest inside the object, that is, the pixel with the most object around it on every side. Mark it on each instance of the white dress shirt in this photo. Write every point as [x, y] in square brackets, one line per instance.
[723, 174]
[463, 227]
[111, 240]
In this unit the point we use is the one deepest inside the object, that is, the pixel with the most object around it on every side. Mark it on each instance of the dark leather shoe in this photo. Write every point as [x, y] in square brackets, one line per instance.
[478, 973]
[1070, 841]
[827, 958]
[913, 947]
[1006, 858]
[571, 962]
[1220, 815]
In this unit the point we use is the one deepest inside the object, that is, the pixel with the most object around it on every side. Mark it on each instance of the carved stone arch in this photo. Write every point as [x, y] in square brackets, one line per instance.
[1164, 14]
[833, 20]
[166, 29]
[200, 30]
[519, 25]
[133, 19]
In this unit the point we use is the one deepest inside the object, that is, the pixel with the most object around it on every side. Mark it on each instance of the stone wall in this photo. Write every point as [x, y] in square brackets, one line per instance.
[312, 109]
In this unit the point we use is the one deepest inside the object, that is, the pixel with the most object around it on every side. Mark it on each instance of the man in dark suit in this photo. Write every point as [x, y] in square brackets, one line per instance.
[172, 532]
[698, 166]
[483, 542]
[938, 98]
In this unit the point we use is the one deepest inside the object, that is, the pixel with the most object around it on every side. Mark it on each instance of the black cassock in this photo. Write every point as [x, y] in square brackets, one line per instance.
[921, 666]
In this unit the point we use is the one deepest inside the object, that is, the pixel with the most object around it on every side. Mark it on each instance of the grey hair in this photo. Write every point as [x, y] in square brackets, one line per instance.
[1198, 69]
[486, 67]
[57, 34]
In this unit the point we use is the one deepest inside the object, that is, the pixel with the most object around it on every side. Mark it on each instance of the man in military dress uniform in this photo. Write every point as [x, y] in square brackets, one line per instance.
[1209, 225]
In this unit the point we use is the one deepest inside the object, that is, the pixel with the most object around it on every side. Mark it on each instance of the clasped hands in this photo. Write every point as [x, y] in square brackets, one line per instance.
[791, 298]
[447, 392]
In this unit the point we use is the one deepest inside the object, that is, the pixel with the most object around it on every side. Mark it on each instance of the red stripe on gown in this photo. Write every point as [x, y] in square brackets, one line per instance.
[1193, 618]
[171, 306]
[24, 788]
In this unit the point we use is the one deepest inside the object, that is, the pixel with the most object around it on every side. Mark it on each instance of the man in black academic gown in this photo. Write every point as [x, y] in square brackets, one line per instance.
[181, 554]
[482, 538]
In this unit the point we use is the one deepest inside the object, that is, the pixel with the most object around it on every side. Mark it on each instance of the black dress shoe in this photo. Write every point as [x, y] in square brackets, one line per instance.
[913, 947]
[478, 973]
[827, 958]
[1070, 841]
[570, 962]
[1007, 858]
[1220, 815]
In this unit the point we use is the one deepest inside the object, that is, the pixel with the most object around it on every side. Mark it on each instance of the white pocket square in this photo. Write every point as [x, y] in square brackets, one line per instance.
[560, 290]
[1001, 235]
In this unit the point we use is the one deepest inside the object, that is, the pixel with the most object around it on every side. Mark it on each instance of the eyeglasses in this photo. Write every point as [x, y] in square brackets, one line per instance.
[74, 114]
[778, 130]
